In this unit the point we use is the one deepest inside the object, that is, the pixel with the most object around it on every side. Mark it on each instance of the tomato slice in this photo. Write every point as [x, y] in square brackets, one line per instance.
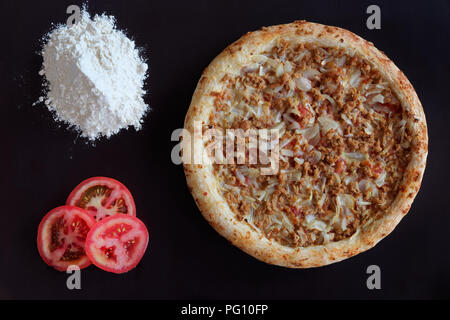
[61, 237]
[117, 244]
[102, 197]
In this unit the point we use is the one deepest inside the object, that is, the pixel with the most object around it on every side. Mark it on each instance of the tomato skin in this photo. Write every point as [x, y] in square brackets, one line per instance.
[297, 212]
[303, 111]
[96, 238]
[82, 187]
[46, 223]
[377, 169]
[340, 166]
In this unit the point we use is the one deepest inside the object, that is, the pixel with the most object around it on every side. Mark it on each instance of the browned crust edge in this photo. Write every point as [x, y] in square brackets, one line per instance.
[215, 209]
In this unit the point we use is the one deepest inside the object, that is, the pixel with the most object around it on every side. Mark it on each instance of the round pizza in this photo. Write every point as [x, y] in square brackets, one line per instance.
[335, 144]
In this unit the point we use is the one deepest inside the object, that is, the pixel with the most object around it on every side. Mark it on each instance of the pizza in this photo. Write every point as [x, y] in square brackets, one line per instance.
[351, 144]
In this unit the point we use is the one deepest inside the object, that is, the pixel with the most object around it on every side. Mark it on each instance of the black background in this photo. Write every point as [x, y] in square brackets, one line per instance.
[41, 161]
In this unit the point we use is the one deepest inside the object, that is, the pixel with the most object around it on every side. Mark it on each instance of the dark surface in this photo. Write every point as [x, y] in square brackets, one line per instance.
[42, 162]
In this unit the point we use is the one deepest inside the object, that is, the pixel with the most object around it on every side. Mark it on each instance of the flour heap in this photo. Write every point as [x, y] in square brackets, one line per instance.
[94, 77]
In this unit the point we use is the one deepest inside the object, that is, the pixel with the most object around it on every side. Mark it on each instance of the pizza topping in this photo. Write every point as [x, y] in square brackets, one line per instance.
[344, 143]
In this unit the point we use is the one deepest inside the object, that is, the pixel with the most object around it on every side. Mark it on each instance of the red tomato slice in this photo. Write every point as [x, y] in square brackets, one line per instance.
[117, 244]
[61, 237]
[102, 197]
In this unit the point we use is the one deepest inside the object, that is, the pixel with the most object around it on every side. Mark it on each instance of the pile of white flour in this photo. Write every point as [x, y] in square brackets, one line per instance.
[94, 77]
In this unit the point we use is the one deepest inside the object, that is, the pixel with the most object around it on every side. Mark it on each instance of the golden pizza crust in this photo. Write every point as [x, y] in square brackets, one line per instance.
[204, 188]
